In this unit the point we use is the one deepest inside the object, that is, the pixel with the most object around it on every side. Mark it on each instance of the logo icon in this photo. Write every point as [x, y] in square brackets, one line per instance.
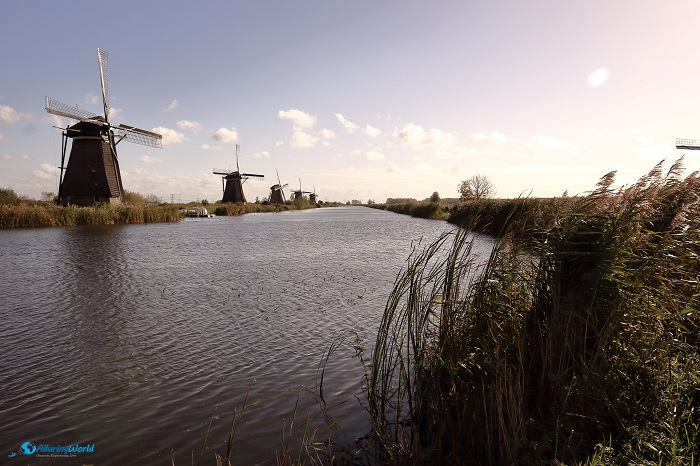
[28, 448]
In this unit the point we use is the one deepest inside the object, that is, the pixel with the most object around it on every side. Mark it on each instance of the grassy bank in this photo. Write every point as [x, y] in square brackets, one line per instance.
[27, 215]
[429, 210]
[578, 344]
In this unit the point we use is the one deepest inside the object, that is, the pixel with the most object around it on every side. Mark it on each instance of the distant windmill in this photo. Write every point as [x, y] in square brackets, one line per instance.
[92, 174]
[299, 194]
[277, 192]
[692, 144]
[232, 182]
[312, 196]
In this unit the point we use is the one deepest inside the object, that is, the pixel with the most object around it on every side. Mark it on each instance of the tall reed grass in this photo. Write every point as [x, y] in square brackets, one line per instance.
[579, 344]
[46, 215]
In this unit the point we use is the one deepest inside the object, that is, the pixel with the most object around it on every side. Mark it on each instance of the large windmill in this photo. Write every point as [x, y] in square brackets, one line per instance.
[92, 174]
[691, 144]
[277, 191]
[299, 194]
[232, 182]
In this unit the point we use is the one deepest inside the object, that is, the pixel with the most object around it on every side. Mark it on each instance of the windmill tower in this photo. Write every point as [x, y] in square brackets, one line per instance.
[232, 182]
[92, 174]
[691, 144]
[277, 192]
[299, 194]
[312, 197]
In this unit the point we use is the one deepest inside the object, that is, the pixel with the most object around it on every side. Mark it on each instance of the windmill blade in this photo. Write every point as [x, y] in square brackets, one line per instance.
[59, 108]
[102, 62]
[139, 136]
[223, 171]
[251, 174]
[691, 144]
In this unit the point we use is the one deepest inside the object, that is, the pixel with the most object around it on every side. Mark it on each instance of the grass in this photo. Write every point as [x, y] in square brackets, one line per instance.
[44, 214]
[576, 341]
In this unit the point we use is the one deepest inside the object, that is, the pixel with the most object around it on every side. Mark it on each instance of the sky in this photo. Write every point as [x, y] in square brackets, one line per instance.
[357, 99]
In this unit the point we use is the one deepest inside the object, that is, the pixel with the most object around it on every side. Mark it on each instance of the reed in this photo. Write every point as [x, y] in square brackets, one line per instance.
[578, 344]
[28, 215]
[429, 210]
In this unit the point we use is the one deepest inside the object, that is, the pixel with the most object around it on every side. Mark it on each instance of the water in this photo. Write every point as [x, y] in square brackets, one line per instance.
[130, 338]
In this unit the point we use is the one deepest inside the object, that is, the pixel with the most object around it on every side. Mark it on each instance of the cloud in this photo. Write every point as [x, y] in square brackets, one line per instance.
[26, 157]
[374, 155]
[415, 137]
[326, 133]
[46, 172]
[654, 152]
[170, 136]
[5, 157]
[114, 112]
[350, 127]
[10, 115]
[192, 126]
[92, 99]
[208, 147]
[261, 155]
[147, 159]
[391, 167]
[493, 138]
[172, 106]
[299, 118]
[2, 136]
[279, 143]
[226, 135]
[454, 170]
[302, 140]
[550, 142]
[372, 131]
[598, 77]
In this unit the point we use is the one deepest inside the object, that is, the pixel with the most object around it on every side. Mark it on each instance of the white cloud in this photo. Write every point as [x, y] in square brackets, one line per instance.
[5, 157]
[350, 127]
[598, 77]
[226, 135]
[172, 106]
[170, 136]
[655, 152]
[114, 112]
[147, 159]
[391, 167]
[92, 99]
[550, 142]
[454, 170]
[192, 126]
[208, 147]
[45, 172]
[302, 140]
[10, 115]
[493, 138]
[415, 137]
[326, 133]
[372, 131]
[279, 143]
[261, 155]
[2, 136]
[374, 155]
[25, 157]
[299, 118]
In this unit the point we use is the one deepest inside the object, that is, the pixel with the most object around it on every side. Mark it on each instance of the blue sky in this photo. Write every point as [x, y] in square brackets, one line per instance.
[359, 99]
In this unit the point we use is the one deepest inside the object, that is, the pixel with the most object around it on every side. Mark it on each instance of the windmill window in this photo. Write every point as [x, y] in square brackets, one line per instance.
[93, 169]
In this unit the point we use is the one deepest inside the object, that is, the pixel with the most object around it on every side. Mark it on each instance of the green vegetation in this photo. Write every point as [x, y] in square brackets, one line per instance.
[577, 342]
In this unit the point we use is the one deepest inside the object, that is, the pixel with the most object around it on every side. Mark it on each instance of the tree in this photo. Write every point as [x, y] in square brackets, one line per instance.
[435, 197]
[476, 187]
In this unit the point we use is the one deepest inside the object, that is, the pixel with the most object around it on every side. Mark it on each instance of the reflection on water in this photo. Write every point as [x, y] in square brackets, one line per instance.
[130, 337]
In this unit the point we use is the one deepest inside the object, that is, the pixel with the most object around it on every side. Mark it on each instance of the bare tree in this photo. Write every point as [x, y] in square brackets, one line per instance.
[476, 187]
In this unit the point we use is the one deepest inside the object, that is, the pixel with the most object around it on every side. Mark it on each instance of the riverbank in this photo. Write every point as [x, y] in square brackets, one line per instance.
[577, 343]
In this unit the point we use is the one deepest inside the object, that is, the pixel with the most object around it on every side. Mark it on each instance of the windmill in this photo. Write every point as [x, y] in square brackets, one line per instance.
[299, 194]
[277, 192]
[691, 144]
[312, 196]
[232, 182]
[92, 174]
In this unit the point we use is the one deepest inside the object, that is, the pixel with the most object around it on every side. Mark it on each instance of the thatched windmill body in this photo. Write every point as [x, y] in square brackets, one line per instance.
[277, 191]
[299, 194]
[312, 196]
[232, 182]
[92, 174]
